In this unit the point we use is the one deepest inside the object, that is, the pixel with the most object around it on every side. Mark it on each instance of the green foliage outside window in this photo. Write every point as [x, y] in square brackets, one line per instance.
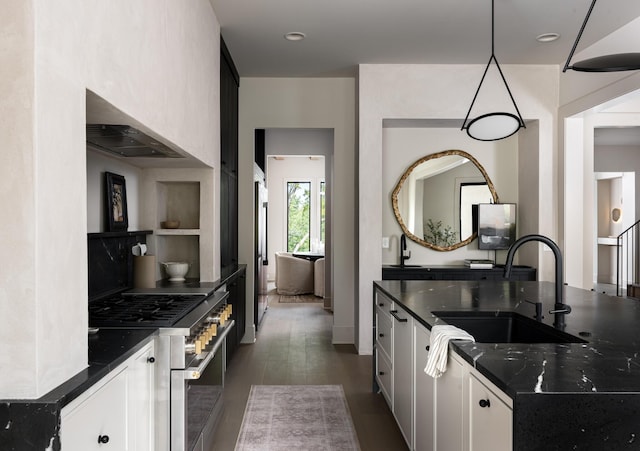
[298, 216]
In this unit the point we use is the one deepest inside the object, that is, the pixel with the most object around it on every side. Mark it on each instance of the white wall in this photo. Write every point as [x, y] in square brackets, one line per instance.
[620, 159]
[279, 172]
[116, 49]
[442, 92]
[328, 103]
[403, 146]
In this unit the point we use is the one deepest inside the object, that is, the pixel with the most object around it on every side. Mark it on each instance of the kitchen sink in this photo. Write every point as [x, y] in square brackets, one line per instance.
[505, 327]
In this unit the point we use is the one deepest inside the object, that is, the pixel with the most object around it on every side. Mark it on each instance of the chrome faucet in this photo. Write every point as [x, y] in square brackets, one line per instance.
[560, 308]
[404, 254]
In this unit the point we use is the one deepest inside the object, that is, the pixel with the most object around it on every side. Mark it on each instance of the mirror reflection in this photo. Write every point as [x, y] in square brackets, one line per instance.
[433, 200]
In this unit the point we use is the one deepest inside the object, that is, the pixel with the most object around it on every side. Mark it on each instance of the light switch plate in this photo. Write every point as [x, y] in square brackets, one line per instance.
[385, 242]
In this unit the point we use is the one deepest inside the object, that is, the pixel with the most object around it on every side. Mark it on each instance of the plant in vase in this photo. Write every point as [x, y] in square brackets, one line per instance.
[434, 233]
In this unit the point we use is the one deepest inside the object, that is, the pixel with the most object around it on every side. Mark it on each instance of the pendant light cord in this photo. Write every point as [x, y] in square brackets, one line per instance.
[575, 44]
[504, 80]
[493, 28]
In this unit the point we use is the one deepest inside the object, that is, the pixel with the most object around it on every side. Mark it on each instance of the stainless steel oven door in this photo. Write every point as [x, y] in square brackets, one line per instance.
[197, 398]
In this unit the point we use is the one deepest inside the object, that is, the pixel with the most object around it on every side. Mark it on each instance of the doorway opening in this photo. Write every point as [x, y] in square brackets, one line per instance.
[602, 148]
[298, 173]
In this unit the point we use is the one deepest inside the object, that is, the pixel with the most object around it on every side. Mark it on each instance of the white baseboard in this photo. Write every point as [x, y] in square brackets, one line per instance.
[249, 336]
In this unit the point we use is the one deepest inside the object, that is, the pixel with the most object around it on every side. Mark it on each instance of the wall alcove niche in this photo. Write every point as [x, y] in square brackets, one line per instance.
[429, 200]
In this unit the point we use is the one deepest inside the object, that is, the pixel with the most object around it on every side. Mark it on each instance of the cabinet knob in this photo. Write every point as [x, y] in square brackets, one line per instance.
[103, 439]
[381, 373]
[151, 359]
[427, 347]
[380, 335]
[381, 304]
[485, 403]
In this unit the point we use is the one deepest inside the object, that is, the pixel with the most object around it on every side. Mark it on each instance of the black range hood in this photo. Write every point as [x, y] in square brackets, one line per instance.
[126, 141]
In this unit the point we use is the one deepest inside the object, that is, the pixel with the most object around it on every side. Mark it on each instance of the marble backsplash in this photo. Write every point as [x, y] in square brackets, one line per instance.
[111, 261]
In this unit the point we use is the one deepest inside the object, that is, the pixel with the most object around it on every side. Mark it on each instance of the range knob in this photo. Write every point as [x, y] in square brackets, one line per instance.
[210, 334]
[190, 347]
[213, 330]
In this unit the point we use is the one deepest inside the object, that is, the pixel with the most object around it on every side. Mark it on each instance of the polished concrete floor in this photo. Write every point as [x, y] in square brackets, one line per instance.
[294, 347]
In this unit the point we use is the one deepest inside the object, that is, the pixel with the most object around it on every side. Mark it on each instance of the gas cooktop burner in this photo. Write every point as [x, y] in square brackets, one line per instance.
[157, 310]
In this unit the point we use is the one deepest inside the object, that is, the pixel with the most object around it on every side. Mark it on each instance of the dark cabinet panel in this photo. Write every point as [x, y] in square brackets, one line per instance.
[228, 220]
[456, 273]
[229, 85]
[229, 88]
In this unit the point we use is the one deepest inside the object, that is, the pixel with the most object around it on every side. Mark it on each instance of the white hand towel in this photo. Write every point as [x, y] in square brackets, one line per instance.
[439, 347]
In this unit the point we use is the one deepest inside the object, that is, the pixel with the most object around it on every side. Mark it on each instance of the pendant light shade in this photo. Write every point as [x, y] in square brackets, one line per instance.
[498, 125]
[493, 126]
[607, 63]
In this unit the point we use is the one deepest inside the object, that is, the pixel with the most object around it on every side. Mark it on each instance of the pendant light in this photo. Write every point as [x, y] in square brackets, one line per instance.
[493, 126]
[607, 63]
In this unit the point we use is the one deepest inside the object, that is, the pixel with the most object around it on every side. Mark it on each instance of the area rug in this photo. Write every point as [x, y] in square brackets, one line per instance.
[297, 298]
[296, 418]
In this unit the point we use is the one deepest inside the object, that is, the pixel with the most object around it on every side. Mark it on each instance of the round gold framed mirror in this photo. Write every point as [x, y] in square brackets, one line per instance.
[434, 199]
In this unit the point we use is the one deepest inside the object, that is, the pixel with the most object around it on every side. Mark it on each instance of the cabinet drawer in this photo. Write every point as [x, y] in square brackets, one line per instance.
[383, 376]
[383, 304]
[383, 333]
[490, 419]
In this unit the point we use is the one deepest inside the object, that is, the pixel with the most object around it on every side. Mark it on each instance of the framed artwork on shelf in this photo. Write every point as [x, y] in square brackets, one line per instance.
[116, 205]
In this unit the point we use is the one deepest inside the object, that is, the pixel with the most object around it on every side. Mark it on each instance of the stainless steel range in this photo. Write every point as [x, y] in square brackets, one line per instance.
[190, 357]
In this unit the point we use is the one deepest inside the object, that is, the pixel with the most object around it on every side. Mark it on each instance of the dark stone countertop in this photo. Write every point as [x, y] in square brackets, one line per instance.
[585, 395]
[35, 423]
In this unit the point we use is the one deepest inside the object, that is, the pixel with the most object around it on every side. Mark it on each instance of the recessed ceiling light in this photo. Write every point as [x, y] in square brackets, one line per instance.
[547, 37]
[295, 36]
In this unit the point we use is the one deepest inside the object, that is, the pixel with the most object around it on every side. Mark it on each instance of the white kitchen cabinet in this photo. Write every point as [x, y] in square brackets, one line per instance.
[402, 364]
[490, 416]
[384, 346]
[442, 414]
[384, 327]
[117, 412]
[142, 399]
[383, 376]
[449, 405]
[98, 420]
[424, 392]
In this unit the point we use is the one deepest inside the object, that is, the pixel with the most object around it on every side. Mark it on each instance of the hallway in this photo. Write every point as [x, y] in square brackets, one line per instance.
[294, 347]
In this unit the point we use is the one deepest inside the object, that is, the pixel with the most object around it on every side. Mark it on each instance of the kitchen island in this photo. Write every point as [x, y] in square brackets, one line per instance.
[564, 396]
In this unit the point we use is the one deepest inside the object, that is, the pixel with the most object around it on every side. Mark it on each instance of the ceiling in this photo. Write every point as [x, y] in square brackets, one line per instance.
[342, 34]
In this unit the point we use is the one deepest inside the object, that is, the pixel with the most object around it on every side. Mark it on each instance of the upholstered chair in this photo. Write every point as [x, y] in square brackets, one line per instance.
[293, 275]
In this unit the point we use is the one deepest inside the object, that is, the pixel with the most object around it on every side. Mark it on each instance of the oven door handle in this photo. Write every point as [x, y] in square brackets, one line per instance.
[195, 372]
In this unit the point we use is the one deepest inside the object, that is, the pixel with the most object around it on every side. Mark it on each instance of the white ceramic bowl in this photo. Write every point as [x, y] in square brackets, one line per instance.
[176, 270]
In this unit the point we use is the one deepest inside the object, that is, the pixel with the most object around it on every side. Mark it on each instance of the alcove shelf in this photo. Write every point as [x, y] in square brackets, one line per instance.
[177, 232]
[185, 195]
